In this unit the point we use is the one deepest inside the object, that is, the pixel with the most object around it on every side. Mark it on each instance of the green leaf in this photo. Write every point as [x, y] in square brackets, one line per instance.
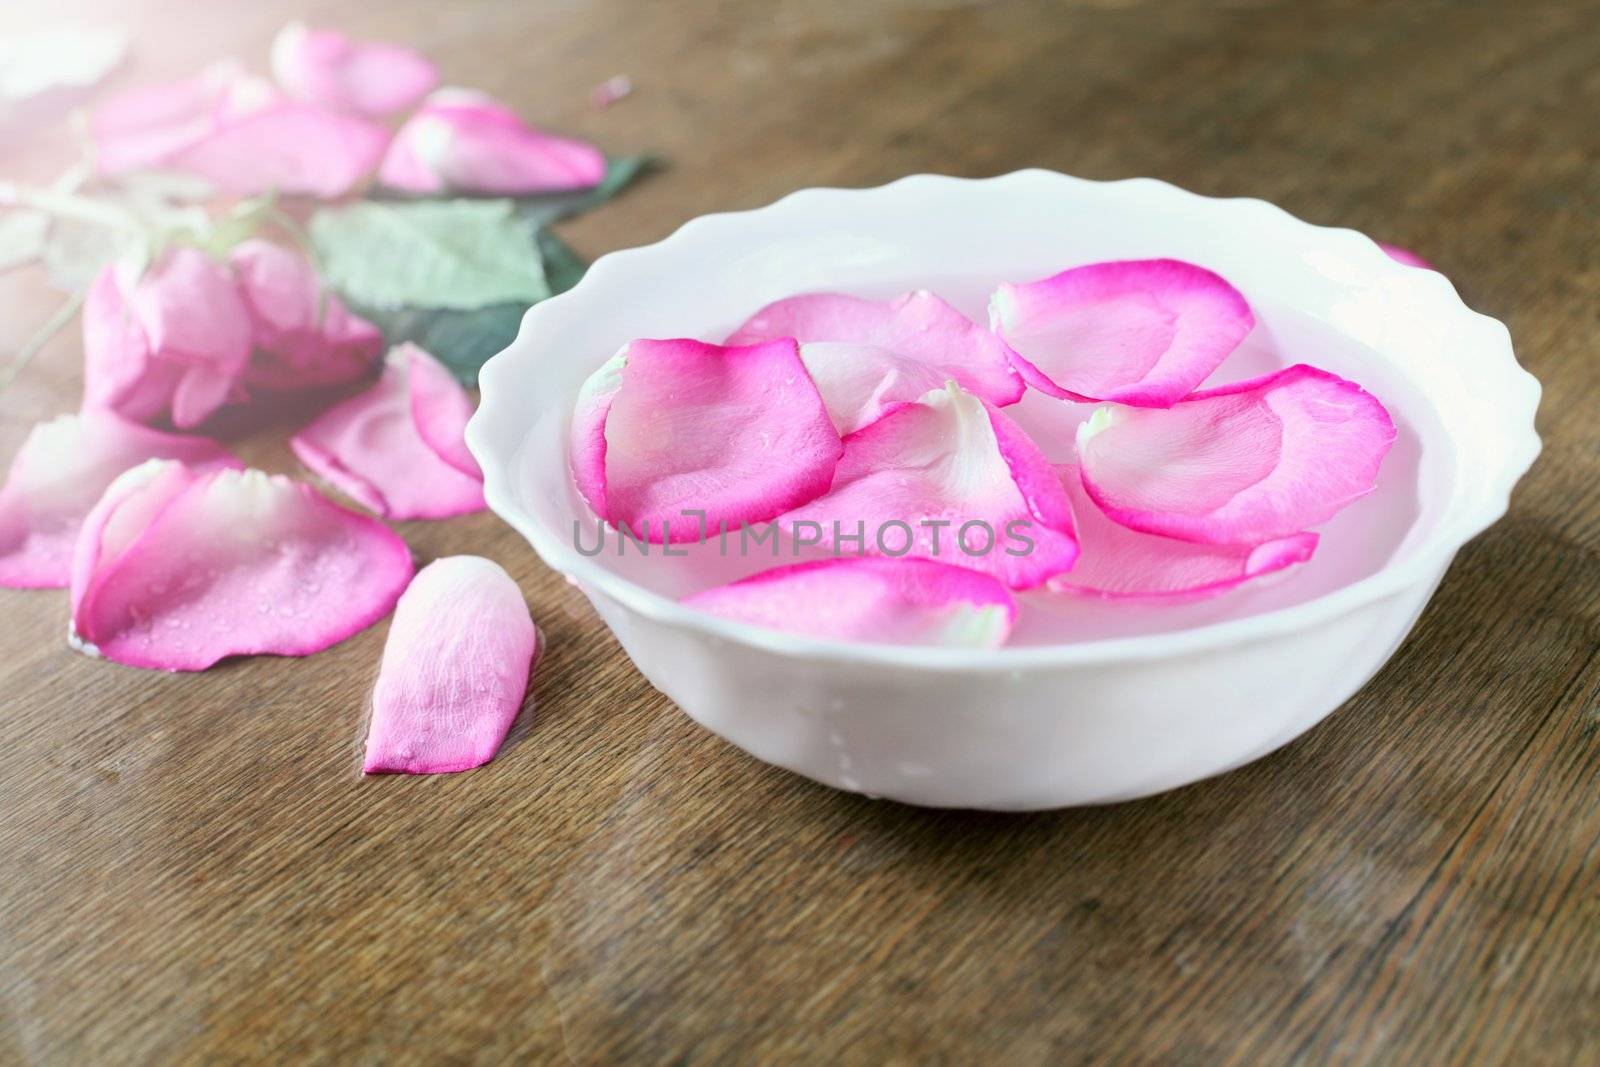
[552, 207]
[562, 267]
[456, 254]
[464, 340]
[461, 340]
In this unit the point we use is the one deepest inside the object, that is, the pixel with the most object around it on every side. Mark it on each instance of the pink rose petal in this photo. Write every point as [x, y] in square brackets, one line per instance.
[666, 427]
[122, 514]
[371, 447]
[891, 352]
[304, 335]
[61, 470]
[146, 126]
[455, 670]
[1117, 563]
[970, 485]
[441, 409]
[1138, 332]
[289, 148]
[234, 563]
[174, 340]
[610, 91]
[1241, 464]
[326, 67]
[871, 599]
[1406, 256]
[467, 142]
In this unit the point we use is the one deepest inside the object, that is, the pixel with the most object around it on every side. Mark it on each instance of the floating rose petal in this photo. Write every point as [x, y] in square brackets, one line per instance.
[861, 384]
[665, 427]
[1240, 464]
[230, 563]
[1406, 256]
[892, 351]
[59, 473]
[372, 449]
[455, 669]
[147, 126]
[1139, 332]
[948, 477]
[467, 142]
[304, 336]
[892, 601]
[326, 67]
[1118, 563]
[289, 148]
[173, 340]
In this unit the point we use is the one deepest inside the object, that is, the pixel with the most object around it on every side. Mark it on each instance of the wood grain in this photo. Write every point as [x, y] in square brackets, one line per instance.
[192, 870]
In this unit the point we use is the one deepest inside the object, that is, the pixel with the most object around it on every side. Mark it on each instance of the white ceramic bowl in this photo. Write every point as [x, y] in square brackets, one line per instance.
[1176, 695]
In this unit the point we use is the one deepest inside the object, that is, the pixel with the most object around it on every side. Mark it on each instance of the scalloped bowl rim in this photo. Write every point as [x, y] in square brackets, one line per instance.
[1464, 516]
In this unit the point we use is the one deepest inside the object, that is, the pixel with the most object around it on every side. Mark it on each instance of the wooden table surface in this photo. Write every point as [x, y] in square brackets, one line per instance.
[192, 868]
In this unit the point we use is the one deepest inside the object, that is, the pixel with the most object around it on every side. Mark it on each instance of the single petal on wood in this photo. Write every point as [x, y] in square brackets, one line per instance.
[455, 670]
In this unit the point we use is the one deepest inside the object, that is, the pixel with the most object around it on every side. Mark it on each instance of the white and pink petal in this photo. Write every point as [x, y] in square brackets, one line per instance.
[1139, 332]
[231, 563]
[1117, 563]
[147, 126]
[441, 409]
[871, 599]
[57, 476]
[1241, 464]
[463, 141]
[867, 356]
[949, 477]
[372, 448]
[368, 77]
[455, 670]
[287, 147]
[739, 433]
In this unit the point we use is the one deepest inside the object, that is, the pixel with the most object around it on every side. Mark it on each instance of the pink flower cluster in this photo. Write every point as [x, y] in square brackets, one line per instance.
[838, 418]
[174, 554]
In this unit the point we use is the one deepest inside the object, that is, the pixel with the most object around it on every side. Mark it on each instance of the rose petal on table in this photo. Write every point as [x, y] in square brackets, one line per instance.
[303, 334]
[467, 142]
[239, 563]
[1406, 256]
[898, 350]
[1116, 563]
[123, 512]
[872, 598]
[1139, 332]
[1240, 464]
[610, 91]
[949, 458]
[738, 432]
[441, 408]
[370, 447]
[455, 670]
[171, 341]
[328, 68]
[146, 126]
[291, 148]
[63, 467]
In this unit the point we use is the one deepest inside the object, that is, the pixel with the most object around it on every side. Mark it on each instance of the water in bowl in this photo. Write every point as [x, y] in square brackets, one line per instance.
[1356, 543]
